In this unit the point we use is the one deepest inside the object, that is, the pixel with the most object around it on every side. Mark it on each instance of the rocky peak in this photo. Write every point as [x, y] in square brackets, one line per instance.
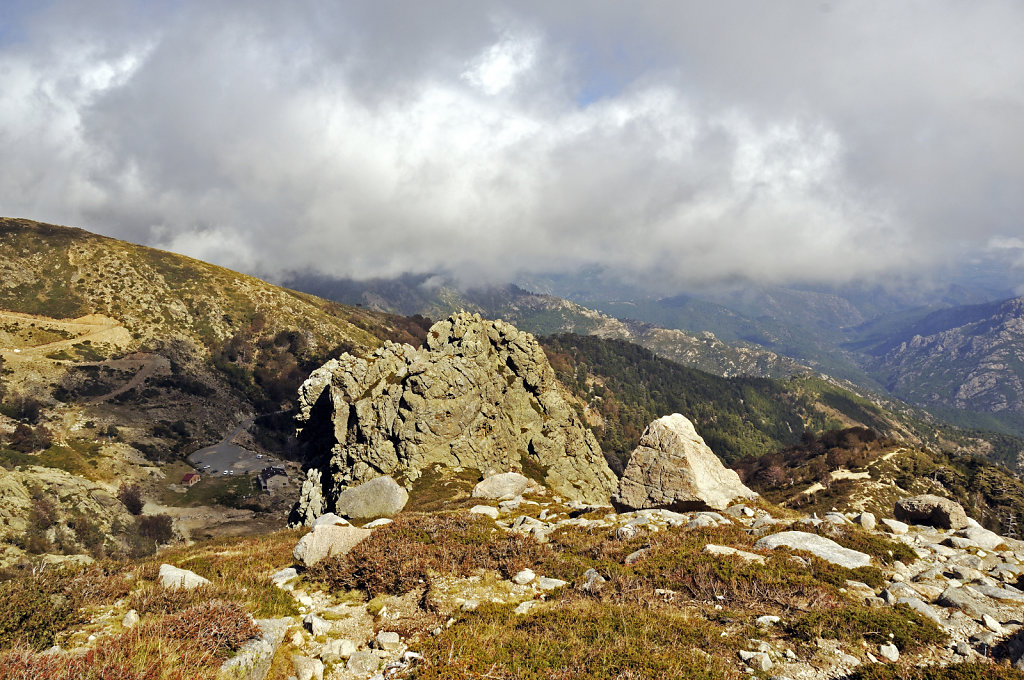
[481, 394]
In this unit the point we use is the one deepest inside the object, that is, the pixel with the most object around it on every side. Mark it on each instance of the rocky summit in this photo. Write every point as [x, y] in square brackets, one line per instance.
[673, 468]
[480, 394]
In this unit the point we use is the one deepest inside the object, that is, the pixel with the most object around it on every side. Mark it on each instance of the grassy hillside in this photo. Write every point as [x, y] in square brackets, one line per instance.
[117, 361]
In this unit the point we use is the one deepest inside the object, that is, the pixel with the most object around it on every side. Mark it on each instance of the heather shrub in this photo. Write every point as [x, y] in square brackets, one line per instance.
[130, 496]
[398, 557]
[959, 671]
[217, 627]
[908, 629]
[157, 528]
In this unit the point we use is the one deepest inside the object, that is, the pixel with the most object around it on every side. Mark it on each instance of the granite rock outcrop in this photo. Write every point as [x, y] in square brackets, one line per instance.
[480, 394]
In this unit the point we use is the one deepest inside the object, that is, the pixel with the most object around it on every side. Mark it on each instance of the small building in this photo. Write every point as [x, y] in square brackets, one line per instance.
[190, 479]
[267, 473]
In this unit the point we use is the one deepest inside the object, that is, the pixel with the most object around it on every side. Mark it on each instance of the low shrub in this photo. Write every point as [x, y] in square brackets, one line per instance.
[158, 528]
[130, 496]
[958, 671]
[216, 627]
[904, 627]
[398, 557]
[33, 609]
[879, 547]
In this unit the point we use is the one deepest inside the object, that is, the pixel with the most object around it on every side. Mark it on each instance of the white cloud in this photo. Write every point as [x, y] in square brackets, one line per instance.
[673, 141]
[499, 67]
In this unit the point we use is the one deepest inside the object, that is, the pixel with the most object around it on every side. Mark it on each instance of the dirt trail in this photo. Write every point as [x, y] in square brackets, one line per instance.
[147, 365]
[95, 328]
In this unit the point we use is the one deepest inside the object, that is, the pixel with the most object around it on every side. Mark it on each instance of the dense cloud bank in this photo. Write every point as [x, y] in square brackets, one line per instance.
[692, 141]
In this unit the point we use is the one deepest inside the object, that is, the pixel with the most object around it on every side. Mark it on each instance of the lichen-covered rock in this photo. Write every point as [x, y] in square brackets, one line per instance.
[504, 486]
[76, 501]
[311, 499]
[380, 497]
[173, 578]
[822, 547]
[480, 394]
[932, 511]
[673, 468]
[327, 540]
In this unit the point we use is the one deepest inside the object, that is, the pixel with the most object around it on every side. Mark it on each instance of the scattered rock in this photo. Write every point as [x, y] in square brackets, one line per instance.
[724, 550]
[388, 641]
[636, 556]
[382, 522]
[335, 650]
[311, 503]
[933, 511]
[486, 510]
[524, 607]
[701, 521]
[501, 487]
[307, 668]
[362, 662]
[967, 600]
[895, 527]
[327, 540]
[380, 497]
[131, 619]
[255, 657]
[837, 518]
[545, 583]
[767, 620]
[282, 577]
[867, 520]
[329, 519]
[524, 577]
[983, 538]
[822, 547]
[172, 577]
[992, 624]
[889, 652]
[756, 660]
[673, 468]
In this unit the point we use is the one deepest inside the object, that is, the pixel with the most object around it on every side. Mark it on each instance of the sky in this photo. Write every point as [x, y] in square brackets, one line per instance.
[676, 142]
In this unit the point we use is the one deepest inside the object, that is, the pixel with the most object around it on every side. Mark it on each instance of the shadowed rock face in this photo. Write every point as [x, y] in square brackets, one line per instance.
[673, 468]
[481, 395]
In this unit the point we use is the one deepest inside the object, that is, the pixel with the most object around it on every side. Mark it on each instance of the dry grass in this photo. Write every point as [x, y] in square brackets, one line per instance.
[238, 568]
[580, 639]
[188, 646]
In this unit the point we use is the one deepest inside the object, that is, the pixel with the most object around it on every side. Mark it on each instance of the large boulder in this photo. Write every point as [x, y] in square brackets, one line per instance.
[819, 546]
[380, 497]
[480, 394]
[173, 578]
[673, 468]
[502, 486]
[328, 540]
[933, 511]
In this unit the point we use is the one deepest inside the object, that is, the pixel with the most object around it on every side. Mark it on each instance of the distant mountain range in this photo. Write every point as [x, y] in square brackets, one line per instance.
[965, 362]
